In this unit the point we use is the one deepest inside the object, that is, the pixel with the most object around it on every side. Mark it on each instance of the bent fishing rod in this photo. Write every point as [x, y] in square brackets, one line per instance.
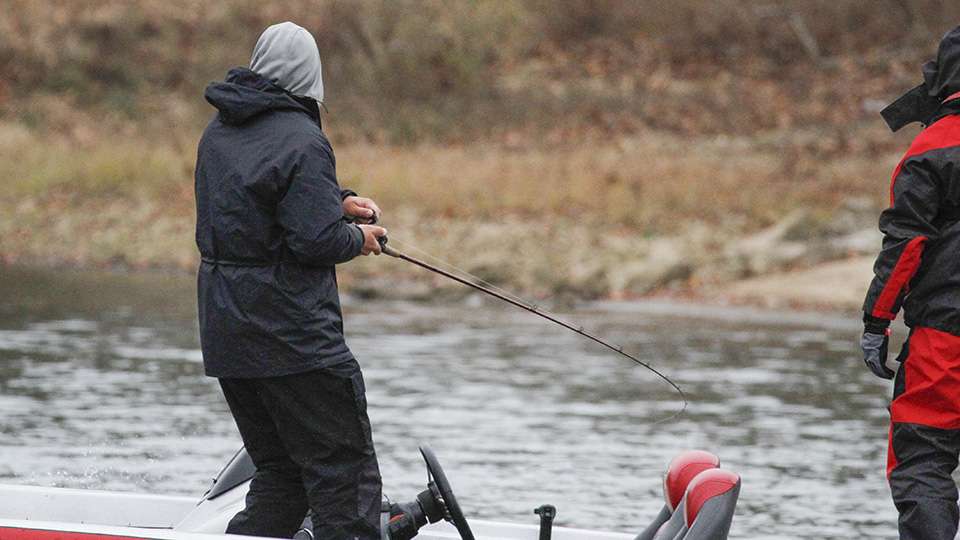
[388, 250]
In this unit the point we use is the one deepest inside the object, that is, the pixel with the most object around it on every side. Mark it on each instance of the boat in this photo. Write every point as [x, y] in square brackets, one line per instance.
[700, 499]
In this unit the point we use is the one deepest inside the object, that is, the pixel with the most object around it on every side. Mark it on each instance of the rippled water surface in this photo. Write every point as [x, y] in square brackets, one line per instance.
[101, 386]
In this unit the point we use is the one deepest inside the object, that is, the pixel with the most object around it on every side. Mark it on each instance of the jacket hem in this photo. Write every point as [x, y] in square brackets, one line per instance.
[280, 371]
[948, 329]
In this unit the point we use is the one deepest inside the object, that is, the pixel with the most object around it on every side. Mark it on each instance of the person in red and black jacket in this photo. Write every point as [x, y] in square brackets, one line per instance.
[918, 270]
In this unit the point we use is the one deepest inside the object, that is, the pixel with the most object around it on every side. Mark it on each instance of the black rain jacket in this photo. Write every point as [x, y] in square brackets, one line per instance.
[918, 268]
[270, 228]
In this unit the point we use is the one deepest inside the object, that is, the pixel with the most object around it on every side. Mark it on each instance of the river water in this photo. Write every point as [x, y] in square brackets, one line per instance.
[102, 386]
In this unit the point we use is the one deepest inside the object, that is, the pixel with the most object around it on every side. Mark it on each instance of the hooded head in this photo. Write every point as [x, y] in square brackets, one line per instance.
[942, 75]
[287, 54]
[941, 80]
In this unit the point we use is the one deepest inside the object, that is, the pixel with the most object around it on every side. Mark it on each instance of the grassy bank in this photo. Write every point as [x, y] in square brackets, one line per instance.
[617, 218]
[597, 148]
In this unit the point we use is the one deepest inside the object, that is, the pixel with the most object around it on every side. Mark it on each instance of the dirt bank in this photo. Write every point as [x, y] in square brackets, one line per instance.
[838, 285]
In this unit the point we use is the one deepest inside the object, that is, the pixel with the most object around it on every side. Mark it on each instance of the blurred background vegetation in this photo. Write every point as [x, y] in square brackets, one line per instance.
[614, 122]
[408, 70]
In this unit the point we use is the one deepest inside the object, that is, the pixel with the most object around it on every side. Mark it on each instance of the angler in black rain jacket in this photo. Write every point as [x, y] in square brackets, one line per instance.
[271, 226]
[918, 270]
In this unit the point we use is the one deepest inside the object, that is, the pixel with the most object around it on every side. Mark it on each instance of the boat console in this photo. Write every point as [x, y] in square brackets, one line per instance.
[400, 521]
[431, 505]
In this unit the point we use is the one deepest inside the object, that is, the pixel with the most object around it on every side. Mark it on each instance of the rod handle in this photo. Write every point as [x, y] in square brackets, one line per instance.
[385, 249]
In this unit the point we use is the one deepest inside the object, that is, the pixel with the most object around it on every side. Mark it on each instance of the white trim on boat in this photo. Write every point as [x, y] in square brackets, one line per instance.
[135, 515]
[25, 528]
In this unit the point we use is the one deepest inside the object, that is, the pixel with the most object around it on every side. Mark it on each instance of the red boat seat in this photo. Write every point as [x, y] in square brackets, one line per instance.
[681, 470]
[707, 488]
[708, 506]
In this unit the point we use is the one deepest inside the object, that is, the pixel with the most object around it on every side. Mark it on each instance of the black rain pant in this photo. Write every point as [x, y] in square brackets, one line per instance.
[309, 437]
[921, 483]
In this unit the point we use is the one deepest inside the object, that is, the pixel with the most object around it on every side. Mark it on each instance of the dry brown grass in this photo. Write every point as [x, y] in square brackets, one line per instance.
[651, 185]
[571, 218]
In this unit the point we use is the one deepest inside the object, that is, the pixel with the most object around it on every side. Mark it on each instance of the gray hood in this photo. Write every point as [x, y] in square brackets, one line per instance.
[287, 54]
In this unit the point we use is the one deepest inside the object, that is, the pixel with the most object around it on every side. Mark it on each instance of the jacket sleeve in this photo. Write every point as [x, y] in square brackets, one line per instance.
[311, 211]
[907, 226]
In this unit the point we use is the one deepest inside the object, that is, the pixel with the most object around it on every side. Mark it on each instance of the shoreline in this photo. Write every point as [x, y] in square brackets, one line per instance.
[793, 263]
[783, 294]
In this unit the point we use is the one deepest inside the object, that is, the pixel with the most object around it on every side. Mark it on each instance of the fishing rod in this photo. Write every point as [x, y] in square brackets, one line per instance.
[388, 250]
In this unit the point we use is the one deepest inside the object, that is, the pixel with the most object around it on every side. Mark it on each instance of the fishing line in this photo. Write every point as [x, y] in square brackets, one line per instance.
[474, 282]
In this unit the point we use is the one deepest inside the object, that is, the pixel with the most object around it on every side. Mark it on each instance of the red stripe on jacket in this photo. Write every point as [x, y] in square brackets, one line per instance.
[903, 272]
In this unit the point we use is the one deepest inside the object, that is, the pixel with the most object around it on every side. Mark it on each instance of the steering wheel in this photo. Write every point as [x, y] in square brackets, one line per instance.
[443, 494]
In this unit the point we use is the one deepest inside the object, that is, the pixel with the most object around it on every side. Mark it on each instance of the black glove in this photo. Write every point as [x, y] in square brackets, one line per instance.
[875, 343]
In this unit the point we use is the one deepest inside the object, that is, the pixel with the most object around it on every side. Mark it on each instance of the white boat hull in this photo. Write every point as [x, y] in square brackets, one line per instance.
[40, 513]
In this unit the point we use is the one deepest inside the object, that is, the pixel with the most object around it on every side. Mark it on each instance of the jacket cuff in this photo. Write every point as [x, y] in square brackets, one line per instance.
[875, 325]
[344, 193]
[358, 232]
